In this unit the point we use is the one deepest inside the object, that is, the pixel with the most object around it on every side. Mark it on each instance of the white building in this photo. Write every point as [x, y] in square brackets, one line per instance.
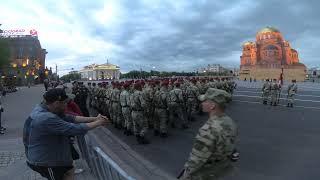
[215, 68]
[100, 72]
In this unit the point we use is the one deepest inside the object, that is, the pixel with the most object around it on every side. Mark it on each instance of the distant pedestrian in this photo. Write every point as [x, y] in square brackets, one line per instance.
[46, 135]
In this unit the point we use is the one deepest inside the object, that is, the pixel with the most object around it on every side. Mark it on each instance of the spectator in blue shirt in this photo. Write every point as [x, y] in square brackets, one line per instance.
[46, 135]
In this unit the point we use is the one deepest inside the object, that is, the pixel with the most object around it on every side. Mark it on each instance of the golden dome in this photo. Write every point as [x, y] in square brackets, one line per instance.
[268, 29]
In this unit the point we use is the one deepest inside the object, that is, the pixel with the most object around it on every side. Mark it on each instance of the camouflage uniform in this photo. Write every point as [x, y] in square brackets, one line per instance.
[126, 111]
[292, 90]
[214, 144]
[275, 89]
[266, 91]
[147, 94]
[161, 112]
[140, 123]
[116, 108]
[192, 100]
[108, 101]
[176, 107]
[81, 93]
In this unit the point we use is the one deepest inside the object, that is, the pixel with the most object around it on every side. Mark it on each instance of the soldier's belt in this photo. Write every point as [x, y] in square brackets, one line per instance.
[125, 106]
[115, 101]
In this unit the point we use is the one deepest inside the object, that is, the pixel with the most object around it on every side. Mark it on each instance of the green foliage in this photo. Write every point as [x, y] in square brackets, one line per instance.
[144, 74]
[71, 77]
[4, 53]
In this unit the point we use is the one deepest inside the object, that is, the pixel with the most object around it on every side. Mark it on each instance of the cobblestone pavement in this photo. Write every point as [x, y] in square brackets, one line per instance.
[7, 158]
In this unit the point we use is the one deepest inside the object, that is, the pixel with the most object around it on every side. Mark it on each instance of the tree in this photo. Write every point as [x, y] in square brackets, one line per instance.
[4, 53]
[71, 77]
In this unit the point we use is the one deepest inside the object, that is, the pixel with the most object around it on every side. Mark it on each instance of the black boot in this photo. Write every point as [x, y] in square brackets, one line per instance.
[291, 105]
[288, 105]
[125, 132]
[156, 133]
[163, 135]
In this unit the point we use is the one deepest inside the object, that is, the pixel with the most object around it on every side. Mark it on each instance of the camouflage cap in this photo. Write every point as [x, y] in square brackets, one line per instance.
[217, 95]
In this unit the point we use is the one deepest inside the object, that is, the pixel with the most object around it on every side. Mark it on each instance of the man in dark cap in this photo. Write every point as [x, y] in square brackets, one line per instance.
[46, 135]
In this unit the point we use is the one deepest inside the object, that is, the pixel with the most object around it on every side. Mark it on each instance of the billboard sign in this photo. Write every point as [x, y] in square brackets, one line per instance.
[19, 33]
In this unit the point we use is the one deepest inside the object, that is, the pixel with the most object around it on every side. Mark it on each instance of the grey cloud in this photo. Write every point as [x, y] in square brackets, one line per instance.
[200, 32]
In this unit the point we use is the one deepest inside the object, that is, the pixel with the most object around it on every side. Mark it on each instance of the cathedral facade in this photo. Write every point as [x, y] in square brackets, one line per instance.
[269, 57]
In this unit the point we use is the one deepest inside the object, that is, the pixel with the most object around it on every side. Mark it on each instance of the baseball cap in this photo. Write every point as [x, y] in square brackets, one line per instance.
[217, 95]
[56, 94]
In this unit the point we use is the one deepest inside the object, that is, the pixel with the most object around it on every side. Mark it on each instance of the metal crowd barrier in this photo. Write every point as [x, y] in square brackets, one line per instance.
[101, 165]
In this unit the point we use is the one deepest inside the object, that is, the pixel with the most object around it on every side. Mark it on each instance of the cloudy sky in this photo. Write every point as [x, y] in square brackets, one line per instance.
[161, 34]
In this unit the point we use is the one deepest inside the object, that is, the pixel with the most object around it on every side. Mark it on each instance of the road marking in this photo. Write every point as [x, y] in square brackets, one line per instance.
[281, 93]
[302, 89]
[250, 102]
[241, 95]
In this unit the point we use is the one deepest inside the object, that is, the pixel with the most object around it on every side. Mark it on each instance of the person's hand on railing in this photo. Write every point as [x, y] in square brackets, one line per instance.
[103, 120]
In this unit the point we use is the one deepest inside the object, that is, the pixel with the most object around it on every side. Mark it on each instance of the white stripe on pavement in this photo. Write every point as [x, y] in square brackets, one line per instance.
[281, 93]
[242, 95]
[300, 89]
[250, 102]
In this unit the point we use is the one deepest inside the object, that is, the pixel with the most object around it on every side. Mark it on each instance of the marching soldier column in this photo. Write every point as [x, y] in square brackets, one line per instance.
[136, 106]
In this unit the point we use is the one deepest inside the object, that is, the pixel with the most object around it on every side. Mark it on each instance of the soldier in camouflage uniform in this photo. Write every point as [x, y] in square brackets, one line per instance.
[266, 88]
[176, 107]
[140, 123]
[161, 111]
[192, 93]
[98, 97]
[126, 110]
[107, 94]
[215, 142]
[292, 90]
[147, 94]
[116, 107]
[92, 93]
[275, 89]
[81, 93]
